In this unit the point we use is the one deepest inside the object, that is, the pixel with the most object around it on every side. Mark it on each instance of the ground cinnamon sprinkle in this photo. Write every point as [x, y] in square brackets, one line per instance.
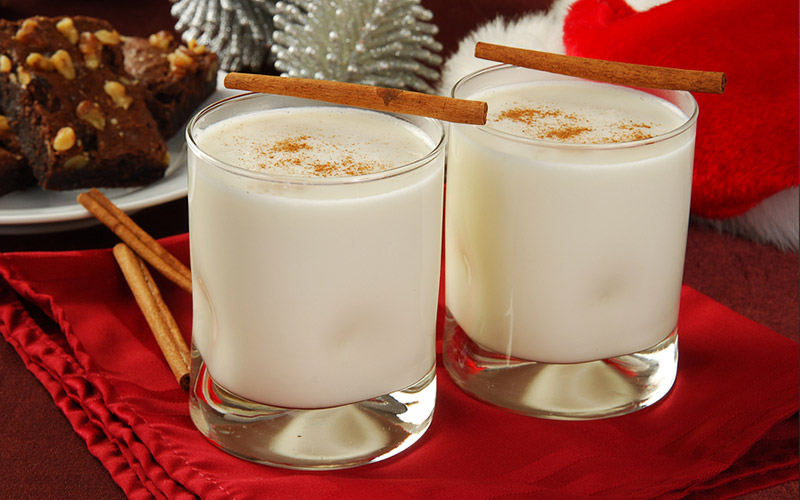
[635, 130]
[566, 133]
[542, 122]
[291, 144]
[527, 115]
[297, 157]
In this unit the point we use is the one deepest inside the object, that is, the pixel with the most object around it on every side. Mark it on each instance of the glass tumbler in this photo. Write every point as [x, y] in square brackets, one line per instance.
[563, 257]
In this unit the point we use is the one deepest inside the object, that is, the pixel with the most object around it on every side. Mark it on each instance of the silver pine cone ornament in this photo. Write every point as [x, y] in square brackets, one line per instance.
[239, 31]
[387, 43]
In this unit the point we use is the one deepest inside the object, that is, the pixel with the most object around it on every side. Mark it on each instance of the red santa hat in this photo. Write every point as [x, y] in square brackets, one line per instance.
[746, 161]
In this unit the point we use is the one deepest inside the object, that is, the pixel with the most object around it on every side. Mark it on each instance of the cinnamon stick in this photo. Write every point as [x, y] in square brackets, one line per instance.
[142, 243]
[635, 75]
[155, 310]
[364, 96]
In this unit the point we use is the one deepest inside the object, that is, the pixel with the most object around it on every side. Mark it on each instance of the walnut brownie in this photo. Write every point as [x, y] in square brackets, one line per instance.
[15, 173]
[80, 120]
[176, 78]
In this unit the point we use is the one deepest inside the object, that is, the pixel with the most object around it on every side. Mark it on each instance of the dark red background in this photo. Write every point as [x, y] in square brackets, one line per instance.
[42, 457]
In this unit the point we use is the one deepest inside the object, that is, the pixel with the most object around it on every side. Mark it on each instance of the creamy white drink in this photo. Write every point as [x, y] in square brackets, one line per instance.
[315, 259]
[566, 221]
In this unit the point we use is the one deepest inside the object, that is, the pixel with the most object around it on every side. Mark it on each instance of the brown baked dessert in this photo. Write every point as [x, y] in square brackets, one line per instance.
[80, 119]
[15, 173]
[177, 78]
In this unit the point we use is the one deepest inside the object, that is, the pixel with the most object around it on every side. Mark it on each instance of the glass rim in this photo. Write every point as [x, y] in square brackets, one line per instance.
[690, 121]
[297, 180]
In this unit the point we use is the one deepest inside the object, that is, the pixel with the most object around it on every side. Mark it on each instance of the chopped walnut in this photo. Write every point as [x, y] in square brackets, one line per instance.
[180, 59]
[116, 91]
[5, 64]
[65, 139]
[107, 37]
[27, 31]
[4, 125]
[23, 76]
[38, 61]
[67, 28]
[91, 48]
[91, 113]
[161, 40]
[196, 47]
[77, 161]
[63, 64]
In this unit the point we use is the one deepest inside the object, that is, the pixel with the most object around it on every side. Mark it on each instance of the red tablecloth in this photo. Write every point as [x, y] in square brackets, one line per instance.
[729, 425]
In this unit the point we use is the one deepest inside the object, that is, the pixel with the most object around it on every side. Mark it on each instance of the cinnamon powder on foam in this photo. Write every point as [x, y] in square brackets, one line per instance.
[296, 156]
[543, 122]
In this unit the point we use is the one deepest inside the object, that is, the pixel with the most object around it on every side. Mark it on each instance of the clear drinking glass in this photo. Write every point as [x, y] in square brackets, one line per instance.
[564, 261]
[314, 298]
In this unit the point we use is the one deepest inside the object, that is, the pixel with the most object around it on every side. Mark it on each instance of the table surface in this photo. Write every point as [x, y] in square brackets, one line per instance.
[42, 457]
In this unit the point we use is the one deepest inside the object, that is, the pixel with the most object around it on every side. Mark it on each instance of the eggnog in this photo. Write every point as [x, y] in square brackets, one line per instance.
[308, 297]
[566, 222]
[315, 236]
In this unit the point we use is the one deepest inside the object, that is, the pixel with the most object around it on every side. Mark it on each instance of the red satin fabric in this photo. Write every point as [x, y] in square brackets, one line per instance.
[729, 425]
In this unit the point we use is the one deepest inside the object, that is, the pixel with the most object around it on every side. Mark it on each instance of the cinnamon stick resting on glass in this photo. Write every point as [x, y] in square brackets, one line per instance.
[635, 75]
[364, 96]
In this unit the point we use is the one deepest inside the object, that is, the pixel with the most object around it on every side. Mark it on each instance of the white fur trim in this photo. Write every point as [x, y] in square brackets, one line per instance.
[776, 220]
[536, 31]
[643, 5]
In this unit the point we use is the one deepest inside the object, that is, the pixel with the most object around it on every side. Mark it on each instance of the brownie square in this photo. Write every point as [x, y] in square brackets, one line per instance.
[15, 172]
[80, 119]
[176, 78]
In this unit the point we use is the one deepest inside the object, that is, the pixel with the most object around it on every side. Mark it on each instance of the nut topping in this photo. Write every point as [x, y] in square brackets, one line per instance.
[77, 161]
[161, 40]
[180, 58]
[91, 113]
[5, 64]
[63, 64]
[38, 61]
[116, 91]
[67, 28]
[65, 139]
[23, 76]
[4, 125]
[91, 48]
[28, 29]
[107, 37]
[196, 47]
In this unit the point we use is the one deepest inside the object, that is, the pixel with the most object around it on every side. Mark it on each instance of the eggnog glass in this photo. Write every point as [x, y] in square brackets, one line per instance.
[564, 260]
[315, 236]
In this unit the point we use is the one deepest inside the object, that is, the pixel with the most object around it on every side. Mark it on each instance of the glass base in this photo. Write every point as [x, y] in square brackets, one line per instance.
[339, 437]
[578, 391]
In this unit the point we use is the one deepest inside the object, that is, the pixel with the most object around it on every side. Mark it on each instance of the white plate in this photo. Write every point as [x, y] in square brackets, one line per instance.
[37, 211]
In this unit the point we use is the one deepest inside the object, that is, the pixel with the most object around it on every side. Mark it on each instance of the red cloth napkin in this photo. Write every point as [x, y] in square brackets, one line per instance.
[729, 425]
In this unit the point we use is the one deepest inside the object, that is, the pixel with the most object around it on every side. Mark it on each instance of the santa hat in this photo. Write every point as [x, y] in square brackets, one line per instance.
[746, 160]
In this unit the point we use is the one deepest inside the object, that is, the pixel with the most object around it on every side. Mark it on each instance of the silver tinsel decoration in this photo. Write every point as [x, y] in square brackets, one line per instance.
[388, 43]
[239, 31]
